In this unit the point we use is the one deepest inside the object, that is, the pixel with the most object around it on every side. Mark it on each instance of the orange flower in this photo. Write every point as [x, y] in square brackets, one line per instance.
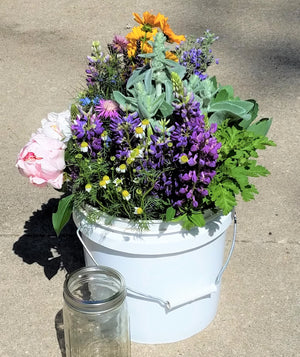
[136, 34]
[171, 37]
[171, 56]
[148, 19]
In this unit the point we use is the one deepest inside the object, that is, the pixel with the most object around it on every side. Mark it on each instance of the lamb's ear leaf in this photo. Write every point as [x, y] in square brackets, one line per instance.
[63, 214]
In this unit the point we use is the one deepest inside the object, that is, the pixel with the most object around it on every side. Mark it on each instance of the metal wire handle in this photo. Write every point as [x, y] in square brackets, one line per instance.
[167, 303]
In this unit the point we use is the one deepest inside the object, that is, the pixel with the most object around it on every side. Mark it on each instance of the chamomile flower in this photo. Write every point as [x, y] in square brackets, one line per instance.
[139, 132]
[106, 179]
[122, 168]
[84, 146]
[126, 195]
[145, 123]
[104, 135]
[118, 181]
[102, 184]
[88, 187]
[138, 210]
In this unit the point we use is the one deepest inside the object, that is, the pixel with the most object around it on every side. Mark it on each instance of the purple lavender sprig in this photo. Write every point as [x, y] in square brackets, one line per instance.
[196, 54]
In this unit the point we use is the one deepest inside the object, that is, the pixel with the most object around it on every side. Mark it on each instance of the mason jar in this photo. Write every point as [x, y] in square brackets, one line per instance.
[95, 313]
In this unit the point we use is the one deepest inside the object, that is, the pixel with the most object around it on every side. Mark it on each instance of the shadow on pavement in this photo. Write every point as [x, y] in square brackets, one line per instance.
[39, 243]
[59, 327]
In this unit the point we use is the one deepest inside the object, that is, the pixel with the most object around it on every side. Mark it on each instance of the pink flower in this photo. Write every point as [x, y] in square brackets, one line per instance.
[42, 161]
[107, 109]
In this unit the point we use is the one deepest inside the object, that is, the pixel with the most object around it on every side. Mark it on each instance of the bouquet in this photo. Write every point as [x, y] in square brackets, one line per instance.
[151, 136]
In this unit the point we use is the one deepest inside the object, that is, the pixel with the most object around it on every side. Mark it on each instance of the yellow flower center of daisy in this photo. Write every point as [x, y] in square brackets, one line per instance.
[138, 210]
[122, 167]
[105, 178]
[145, 122]
[139, 130]
[102, 183]
[125, 193]
[84, 144]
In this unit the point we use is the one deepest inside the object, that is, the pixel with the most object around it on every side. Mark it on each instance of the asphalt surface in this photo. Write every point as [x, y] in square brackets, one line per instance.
[43, 46]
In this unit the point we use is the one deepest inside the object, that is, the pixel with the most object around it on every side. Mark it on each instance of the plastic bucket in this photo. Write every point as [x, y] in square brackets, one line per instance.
[173, 275]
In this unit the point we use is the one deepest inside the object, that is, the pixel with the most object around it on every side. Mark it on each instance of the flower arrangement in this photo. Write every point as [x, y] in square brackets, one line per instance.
[152, 136]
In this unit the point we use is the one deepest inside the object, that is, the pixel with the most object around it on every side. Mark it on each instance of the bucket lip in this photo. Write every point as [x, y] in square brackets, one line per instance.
[106, 304]
[209, 215]
[161, 239]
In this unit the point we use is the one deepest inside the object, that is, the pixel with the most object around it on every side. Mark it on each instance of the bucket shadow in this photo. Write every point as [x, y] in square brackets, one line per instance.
[39, 243]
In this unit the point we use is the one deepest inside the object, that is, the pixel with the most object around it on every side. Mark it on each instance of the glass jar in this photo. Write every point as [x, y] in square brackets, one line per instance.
[95, 313]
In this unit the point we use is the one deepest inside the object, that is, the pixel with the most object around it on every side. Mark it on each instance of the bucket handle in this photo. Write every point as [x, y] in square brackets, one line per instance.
[173, 303]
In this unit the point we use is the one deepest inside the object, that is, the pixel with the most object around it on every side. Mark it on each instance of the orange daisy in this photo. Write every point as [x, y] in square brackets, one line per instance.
[171, 37]
[171, 56]
[136, 34]
[148, 19]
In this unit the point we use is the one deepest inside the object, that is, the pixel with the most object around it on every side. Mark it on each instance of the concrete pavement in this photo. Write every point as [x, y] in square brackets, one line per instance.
[43, 46]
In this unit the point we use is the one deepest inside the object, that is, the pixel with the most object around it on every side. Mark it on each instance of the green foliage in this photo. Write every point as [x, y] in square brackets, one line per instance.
[236, 165]
[150, 89]
[63, 213]
[219, 104]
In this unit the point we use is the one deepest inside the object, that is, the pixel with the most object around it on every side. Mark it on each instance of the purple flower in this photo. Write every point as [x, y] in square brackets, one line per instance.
[119, 44]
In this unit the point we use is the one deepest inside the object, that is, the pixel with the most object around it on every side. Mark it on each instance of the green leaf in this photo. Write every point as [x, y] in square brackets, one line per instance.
[248, 192]
[222, 95]
[197, 219]
[218, 117]
[236, 107]
[187, 223]
[170, 214]
[261, 127]
[223, 198]
[63, 213]
[166, 109]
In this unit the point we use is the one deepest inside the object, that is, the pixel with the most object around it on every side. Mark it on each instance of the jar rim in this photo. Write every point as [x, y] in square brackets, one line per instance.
[101, 305]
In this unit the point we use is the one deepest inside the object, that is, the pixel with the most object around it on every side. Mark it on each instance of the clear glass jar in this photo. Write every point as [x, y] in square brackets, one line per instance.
[95, 313]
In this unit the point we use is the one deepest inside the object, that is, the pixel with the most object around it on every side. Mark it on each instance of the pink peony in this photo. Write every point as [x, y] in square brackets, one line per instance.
[42, 160]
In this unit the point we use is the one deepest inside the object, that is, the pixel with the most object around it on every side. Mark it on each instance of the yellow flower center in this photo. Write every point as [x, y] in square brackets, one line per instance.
[145, 122]
[126, 195]
[139, 130]
[184, 159]
[138, 210]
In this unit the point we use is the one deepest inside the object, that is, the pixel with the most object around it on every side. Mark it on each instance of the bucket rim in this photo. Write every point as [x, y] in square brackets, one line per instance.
[161, 239]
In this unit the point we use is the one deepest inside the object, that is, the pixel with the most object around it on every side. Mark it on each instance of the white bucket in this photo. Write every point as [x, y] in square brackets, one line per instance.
[172, 275]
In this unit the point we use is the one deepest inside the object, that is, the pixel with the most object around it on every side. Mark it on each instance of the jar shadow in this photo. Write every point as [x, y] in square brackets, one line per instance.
[59, 327]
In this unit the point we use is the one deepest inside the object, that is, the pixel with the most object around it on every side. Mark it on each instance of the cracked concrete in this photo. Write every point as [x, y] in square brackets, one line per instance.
[42, 61]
